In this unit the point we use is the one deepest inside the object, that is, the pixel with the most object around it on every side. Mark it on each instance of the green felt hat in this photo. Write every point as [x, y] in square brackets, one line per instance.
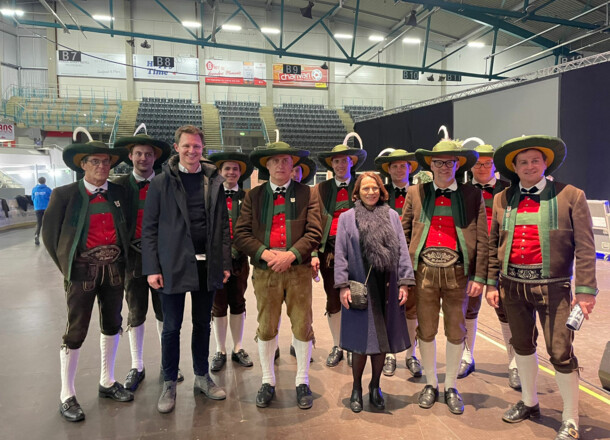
[308, 166]
[383, 162]
[357, 155]
[245, 166]
[162, 149]
[260, 155]
[73, 154]
[447, 147]
[553, 148]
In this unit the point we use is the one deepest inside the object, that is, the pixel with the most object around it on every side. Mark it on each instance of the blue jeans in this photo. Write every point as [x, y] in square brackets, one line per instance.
[173, 312]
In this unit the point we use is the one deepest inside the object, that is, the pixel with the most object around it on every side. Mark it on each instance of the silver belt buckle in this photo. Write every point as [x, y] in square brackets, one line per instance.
[200, 257]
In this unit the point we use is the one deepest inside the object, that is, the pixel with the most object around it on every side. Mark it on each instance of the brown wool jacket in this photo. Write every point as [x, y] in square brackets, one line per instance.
[566, 235]
[303, 230]
[470, 218]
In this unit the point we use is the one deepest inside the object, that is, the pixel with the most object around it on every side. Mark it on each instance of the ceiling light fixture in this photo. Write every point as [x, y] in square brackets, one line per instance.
[12, 12]
[191, 24]
[131, 42]
[269, 30]
[412, 20]
[430, 78]
[441, 78]
[145, 44]
[408, 40]
[376, 38]
[306, 11]
[477, 44]
[102, 17]
[324, 66]
[231, 27]
[340, 36]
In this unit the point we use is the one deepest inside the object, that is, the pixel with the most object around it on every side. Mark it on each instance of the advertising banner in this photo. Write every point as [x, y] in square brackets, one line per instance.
[7, 132]
[94, 65]
[310, 77]
[183, 69]
[241, 73]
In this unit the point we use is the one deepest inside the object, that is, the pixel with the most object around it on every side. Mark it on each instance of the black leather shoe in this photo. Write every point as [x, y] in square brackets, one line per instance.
[519, 412]
[293, 353]
[465, 369]
[37, 243]
[334, 357]
[264, 395]
[454, 401]
[71, 410]
[242, 358]
[218, 361]
[514, 381]
[389, 366]
[376, 397]
[414, 366]
[134, 378]
[567, 431]
[355, 402]
[277, 354]
[304, 397]
[427, 397]
[116, 392]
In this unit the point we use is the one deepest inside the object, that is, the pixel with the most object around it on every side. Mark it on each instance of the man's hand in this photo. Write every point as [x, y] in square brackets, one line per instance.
[155, 281]
[345, 294]
[403, 294]
[226, 274]
[493, 296]
[281, 261]
[586, 301]
[474, 288]
[315, 267]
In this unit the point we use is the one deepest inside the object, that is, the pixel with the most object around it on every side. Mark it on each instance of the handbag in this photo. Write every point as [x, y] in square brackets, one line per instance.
[359, 293]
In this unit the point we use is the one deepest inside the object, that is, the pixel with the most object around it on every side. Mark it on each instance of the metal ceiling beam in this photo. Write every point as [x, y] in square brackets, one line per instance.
[461, 8]
[249, 17]
[355, 27]
[171, 14]
[77, 6]
[207, 43]
[306, 31]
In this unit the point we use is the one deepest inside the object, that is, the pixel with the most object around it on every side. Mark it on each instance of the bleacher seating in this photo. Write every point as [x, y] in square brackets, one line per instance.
[163, 116]
[239, 115]
[309, 126]
[358, 111]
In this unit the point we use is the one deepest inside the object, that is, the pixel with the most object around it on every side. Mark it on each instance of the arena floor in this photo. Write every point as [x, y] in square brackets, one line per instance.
[32, 320]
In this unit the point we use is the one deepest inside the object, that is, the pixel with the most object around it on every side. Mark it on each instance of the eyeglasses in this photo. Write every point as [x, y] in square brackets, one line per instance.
[98, 162]
[440, 163]
[482, 165]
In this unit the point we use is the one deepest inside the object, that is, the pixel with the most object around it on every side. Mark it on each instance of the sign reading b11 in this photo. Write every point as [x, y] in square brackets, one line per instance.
[163, 62]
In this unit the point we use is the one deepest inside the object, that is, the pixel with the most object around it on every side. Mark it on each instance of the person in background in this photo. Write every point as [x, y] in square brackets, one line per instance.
[41, 194]
[371, 249]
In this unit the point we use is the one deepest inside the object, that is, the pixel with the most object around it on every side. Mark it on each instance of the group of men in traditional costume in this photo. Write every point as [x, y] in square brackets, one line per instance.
[192, 228]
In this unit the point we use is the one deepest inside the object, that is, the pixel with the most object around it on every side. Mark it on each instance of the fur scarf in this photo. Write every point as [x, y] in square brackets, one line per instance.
[378, 240]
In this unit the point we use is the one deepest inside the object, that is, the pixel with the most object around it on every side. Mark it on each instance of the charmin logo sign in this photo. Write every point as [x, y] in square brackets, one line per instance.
[7, 132]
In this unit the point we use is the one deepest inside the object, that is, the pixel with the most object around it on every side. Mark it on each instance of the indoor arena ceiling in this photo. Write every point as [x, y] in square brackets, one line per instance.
[558, 28]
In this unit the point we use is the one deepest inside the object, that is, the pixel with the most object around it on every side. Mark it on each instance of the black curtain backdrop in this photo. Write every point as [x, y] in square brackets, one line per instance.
[584, 121]
[409, 130]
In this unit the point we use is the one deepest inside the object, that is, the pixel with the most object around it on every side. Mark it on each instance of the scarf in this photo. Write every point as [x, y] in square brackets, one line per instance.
[378, 240]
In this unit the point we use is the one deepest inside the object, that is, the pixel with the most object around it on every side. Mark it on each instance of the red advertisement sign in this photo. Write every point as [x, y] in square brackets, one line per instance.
[244, 73]
[310, 77]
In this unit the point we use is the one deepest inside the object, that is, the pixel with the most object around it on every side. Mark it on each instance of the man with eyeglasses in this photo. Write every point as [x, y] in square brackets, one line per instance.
[483, 178]
[334, 198]
[84, 231]
[145, 154]
[446, 228]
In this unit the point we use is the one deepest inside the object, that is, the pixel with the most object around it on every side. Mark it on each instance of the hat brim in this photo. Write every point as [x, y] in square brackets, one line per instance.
[357, 155]
[383, 163]
[162, 149]
[553, 148]
[245, 167]
[73, 154]
[466, 158]
[308, 166]
[259, 157]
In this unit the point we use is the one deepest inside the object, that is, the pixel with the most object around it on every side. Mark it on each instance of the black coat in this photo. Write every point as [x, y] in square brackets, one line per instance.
[167, 247]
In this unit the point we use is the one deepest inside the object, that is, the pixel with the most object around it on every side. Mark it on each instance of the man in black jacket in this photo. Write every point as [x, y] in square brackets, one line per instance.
[185, 220]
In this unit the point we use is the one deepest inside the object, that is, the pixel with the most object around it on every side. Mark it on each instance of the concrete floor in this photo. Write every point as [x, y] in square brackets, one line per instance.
[32, 320]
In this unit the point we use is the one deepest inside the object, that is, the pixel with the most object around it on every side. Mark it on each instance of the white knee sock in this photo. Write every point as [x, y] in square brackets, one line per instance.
[69, 362]
[237, 330]
[136, 345]
[510, 351]
[334, 322]
[160, 330]
[108, 348]
[568, 388]
[412, 328]
[303, 351]
[428, 360]
[528, 373]
[266, 352]
[453, 355]
[219, 324]
[471, 334]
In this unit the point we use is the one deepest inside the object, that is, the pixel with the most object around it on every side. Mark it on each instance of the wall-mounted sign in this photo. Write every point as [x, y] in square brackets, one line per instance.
[94, 65]
[166, 69]
[69, 55]
[7, 132]
[241, 73]
[453, 77]
[410, 74]
[292, 69]
[309, 77]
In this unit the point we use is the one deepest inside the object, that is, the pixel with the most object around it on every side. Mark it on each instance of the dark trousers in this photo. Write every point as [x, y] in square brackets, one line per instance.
[105, 283]
[201, 314]
[522, 301]
[136, 294]
[327, 269]
[474, 305]
[233, 292]
[39, 215]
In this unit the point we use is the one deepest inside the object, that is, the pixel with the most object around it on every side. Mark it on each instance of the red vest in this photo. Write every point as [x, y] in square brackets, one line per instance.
[442, 227]
[277, 238]
[230, 208]
[488, 198]
[101, 226]
[142, 198]
[526, 241]
[341, 205]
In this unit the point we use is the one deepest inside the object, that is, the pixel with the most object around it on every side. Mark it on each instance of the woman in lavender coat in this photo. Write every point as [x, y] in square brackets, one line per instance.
[370, 236]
